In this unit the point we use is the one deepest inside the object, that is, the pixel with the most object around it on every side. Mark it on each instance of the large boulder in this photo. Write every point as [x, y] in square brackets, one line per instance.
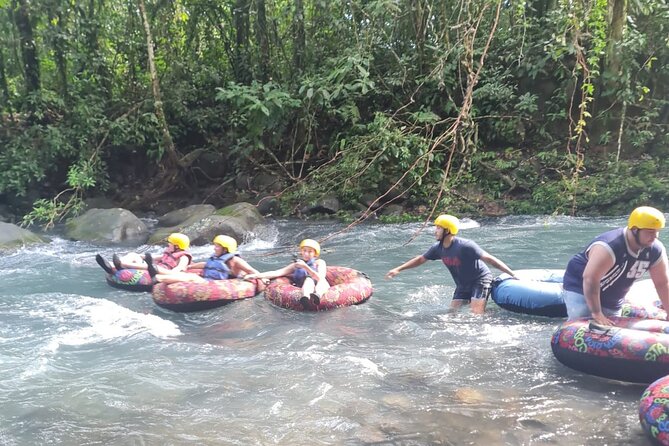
[192, 213]
[12, 236]
[114, 226]
[235, 220]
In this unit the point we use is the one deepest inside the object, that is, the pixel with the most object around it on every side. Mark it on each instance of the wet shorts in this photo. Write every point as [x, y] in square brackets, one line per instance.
[578, 308]
[480, 291]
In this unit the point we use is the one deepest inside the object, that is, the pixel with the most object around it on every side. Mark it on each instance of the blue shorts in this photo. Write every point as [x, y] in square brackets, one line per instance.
[578, 308]
[480, 291]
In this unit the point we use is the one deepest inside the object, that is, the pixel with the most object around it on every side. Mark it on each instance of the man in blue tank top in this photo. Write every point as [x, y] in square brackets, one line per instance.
[598, 278]
[465, 260]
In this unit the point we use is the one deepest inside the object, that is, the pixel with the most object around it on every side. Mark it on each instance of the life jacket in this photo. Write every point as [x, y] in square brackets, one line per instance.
[217, 268]
[170, 260]
[299, 275]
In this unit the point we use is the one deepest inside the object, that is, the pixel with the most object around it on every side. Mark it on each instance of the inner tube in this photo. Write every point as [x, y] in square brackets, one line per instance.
[347, 287]
[131, 280]
[192, 296]
[634, 350]
[654, 411]
[642, 301]
[537, 292]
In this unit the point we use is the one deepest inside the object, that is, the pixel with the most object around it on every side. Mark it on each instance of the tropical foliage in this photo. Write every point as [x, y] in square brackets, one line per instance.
[546, 105]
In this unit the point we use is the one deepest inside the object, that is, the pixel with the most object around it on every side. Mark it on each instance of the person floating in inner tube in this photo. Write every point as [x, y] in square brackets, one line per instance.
[175, 257]
[598, 278]
[307, 273]
[465, 260]
[226, 263]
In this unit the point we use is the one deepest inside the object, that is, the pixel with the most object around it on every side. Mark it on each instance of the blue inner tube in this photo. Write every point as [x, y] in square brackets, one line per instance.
[536, 292]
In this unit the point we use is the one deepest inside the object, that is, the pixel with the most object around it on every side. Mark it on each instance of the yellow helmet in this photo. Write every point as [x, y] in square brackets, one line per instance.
[313, 244]
[646, 217]
[226, 242]
[179, 240]
[448, 222]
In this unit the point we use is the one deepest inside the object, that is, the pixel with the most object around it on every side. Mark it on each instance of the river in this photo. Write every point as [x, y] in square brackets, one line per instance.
[84, 363]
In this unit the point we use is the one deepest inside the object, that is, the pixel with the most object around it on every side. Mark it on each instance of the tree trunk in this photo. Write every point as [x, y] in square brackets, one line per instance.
[617, 19]
[27, 44]
[299, 45]
[263, 42]
[242, 66]
[168, 143]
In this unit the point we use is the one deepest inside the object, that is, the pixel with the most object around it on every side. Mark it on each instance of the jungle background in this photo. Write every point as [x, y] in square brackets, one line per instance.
[476, 107]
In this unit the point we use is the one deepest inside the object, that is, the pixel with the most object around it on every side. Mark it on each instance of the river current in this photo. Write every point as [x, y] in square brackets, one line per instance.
[82, 363]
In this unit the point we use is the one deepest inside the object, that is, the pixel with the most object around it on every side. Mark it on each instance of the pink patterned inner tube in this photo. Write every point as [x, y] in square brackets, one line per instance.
[347, 287]
[192, 296]
[654, 411]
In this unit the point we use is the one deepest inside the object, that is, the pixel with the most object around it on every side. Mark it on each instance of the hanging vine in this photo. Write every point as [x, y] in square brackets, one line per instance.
[586, 27]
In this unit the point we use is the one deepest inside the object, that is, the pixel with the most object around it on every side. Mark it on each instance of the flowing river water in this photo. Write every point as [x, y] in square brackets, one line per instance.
[84, 363]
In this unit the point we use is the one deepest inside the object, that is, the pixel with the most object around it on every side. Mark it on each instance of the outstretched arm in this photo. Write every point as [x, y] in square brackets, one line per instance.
[286, 270]
[243, 266]
[416, 261]
[497, 263]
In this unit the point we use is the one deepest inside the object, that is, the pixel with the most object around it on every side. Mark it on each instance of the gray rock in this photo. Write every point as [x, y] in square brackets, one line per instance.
[267, 205]
[326, 205]
[114, 226]
[196, 211]
[394, 210]
[12, 236]
[236, 220]
[265, 182]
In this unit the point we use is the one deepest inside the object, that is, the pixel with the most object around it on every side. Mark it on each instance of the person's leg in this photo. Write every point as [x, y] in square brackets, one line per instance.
[458, 303]
[322, 286]
[104, 264]
[308, 288]
[460, 297]
[479, 297]
[576, 305]
[130, 260]
[179, 277]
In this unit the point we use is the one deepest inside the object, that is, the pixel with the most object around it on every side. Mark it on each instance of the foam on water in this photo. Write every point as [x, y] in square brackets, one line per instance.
[82, 320]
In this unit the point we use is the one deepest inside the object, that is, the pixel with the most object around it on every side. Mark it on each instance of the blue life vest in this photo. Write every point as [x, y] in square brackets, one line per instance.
[217, 268]
[299, 275]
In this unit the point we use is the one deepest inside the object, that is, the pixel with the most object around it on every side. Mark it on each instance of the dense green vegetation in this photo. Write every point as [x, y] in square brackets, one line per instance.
[536, 106]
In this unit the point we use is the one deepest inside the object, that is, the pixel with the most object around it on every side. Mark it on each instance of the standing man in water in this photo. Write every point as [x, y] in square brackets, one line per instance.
[464, 259]
[598, 278]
